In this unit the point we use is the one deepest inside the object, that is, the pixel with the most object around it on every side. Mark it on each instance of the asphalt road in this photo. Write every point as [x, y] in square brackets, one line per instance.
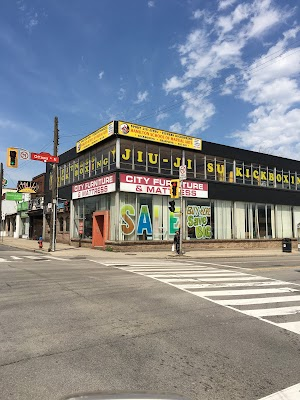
[72, 325]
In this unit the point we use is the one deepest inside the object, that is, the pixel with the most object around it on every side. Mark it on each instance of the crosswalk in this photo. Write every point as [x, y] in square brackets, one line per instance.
[274, 301]
[29, 257]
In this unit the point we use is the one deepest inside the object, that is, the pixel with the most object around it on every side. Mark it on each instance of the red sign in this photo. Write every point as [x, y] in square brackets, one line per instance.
[159, 185]
[103, 184]
[45, 157]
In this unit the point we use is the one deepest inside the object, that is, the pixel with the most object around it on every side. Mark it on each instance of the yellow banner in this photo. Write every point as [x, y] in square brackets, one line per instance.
[95, 137]
[156, 135]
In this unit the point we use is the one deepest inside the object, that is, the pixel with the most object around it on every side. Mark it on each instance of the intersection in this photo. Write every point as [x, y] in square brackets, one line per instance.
[202, 328]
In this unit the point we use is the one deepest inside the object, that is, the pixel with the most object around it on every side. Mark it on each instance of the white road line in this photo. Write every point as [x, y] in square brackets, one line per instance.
[201, 275]
[242, 302]
[270, 312]
[16, 258]
[3, 260]
[291, 326]
[291, 393]
[246, 278]
[194, 284]
[243, 292]
[33, 257]
[58, 258]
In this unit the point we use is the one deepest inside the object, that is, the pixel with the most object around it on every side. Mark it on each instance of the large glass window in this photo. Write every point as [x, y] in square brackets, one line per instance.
[153, 158]
[199, 219]
[165, 160]
[126, 158]
[83, 214]
[222, 219]
[200, 166]
[140, 156]
[210, 168]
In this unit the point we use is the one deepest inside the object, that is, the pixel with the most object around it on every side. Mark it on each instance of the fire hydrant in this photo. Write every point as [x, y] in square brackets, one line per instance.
[40, 242]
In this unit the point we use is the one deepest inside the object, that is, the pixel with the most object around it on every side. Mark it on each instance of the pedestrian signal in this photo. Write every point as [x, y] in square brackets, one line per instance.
[172, 206]
[12, 157]
[174, 188]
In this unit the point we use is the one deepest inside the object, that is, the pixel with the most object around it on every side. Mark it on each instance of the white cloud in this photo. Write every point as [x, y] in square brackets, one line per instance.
[161, 116]
[151, 4]
[225, 4]
[100, 75]
[121, 93]
[216, 55]
[29, 16]
[177, 127]
[141, 96]
[175, 83]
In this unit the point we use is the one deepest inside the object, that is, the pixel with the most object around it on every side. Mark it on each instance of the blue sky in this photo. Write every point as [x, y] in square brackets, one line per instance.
[223, 70]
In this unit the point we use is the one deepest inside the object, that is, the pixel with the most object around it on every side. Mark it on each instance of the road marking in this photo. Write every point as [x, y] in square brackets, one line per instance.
[291, 326]
[270, 312]
[16, 258]
[265, 300]
[3, 260]
[235, 280]
[291, 393]
[243, 292]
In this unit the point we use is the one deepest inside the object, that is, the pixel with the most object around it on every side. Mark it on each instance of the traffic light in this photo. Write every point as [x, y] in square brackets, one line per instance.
[174, 188]
[12, 157]
[172, 206]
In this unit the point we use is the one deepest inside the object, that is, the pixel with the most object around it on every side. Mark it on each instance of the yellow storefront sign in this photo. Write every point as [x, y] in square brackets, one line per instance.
[156, 135]
[95, 137]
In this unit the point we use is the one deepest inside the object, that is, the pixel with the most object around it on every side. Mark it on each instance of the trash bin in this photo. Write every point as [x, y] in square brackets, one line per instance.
[287, 245]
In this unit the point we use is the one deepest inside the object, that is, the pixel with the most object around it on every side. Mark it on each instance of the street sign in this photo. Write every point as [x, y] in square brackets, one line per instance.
[182, 172]
[13, 196]
[4, 182]
[24, 154]
[45, 157]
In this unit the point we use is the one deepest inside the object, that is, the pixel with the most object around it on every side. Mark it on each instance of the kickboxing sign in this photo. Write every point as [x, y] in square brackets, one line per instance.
[102, 185]
[158, 185]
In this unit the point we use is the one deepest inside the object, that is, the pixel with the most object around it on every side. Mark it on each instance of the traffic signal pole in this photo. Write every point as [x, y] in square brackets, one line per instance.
[1, 221]
[54, 190]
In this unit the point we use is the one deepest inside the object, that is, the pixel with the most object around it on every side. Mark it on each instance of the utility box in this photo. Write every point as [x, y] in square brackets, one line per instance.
[287, 245]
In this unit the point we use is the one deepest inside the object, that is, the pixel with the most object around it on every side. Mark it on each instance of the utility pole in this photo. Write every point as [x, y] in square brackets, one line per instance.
[1, 180]
[54, 190]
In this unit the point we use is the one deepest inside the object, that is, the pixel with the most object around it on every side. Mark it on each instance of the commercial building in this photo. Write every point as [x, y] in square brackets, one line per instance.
[116, 184]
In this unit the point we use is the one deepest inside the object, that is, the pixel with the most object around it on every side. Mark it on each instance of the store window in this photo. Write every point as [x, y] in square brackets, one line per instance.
[200, 166]
[140, 156]
[229, 171]
[67, 224]
[126, 158]
[83, 214]
[220, 169]
[210, 168]
[239, 172]
[61, 224]
[190, 164]
[153, 158]
[222, 213]
[165, 160]
[199, 219]
[176, 161]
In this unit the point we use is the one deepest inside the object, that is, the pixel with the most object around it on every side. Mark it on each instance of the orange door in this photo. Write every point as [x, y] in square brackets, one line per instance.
[100, 228]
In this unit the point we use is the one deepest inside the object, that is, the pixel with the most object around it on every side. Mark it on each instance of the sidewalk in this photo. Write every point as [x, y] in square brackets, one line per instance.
[64, 250]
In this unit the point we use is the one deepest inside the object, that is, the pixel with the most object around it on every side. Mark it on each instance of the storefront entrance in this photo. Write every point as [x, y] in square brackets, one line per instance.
[100, 228]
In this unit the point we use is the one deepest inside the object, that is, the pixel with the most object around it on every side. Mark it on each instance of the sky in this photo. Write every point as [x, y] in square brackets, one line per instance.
[226, 71]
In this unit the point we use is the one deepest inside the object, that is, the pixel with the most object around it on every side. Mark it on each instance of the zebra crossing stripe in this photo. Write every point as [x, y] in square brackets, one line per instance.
[264, 300]
[270, 312]
[243, 292]
[291, 326]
